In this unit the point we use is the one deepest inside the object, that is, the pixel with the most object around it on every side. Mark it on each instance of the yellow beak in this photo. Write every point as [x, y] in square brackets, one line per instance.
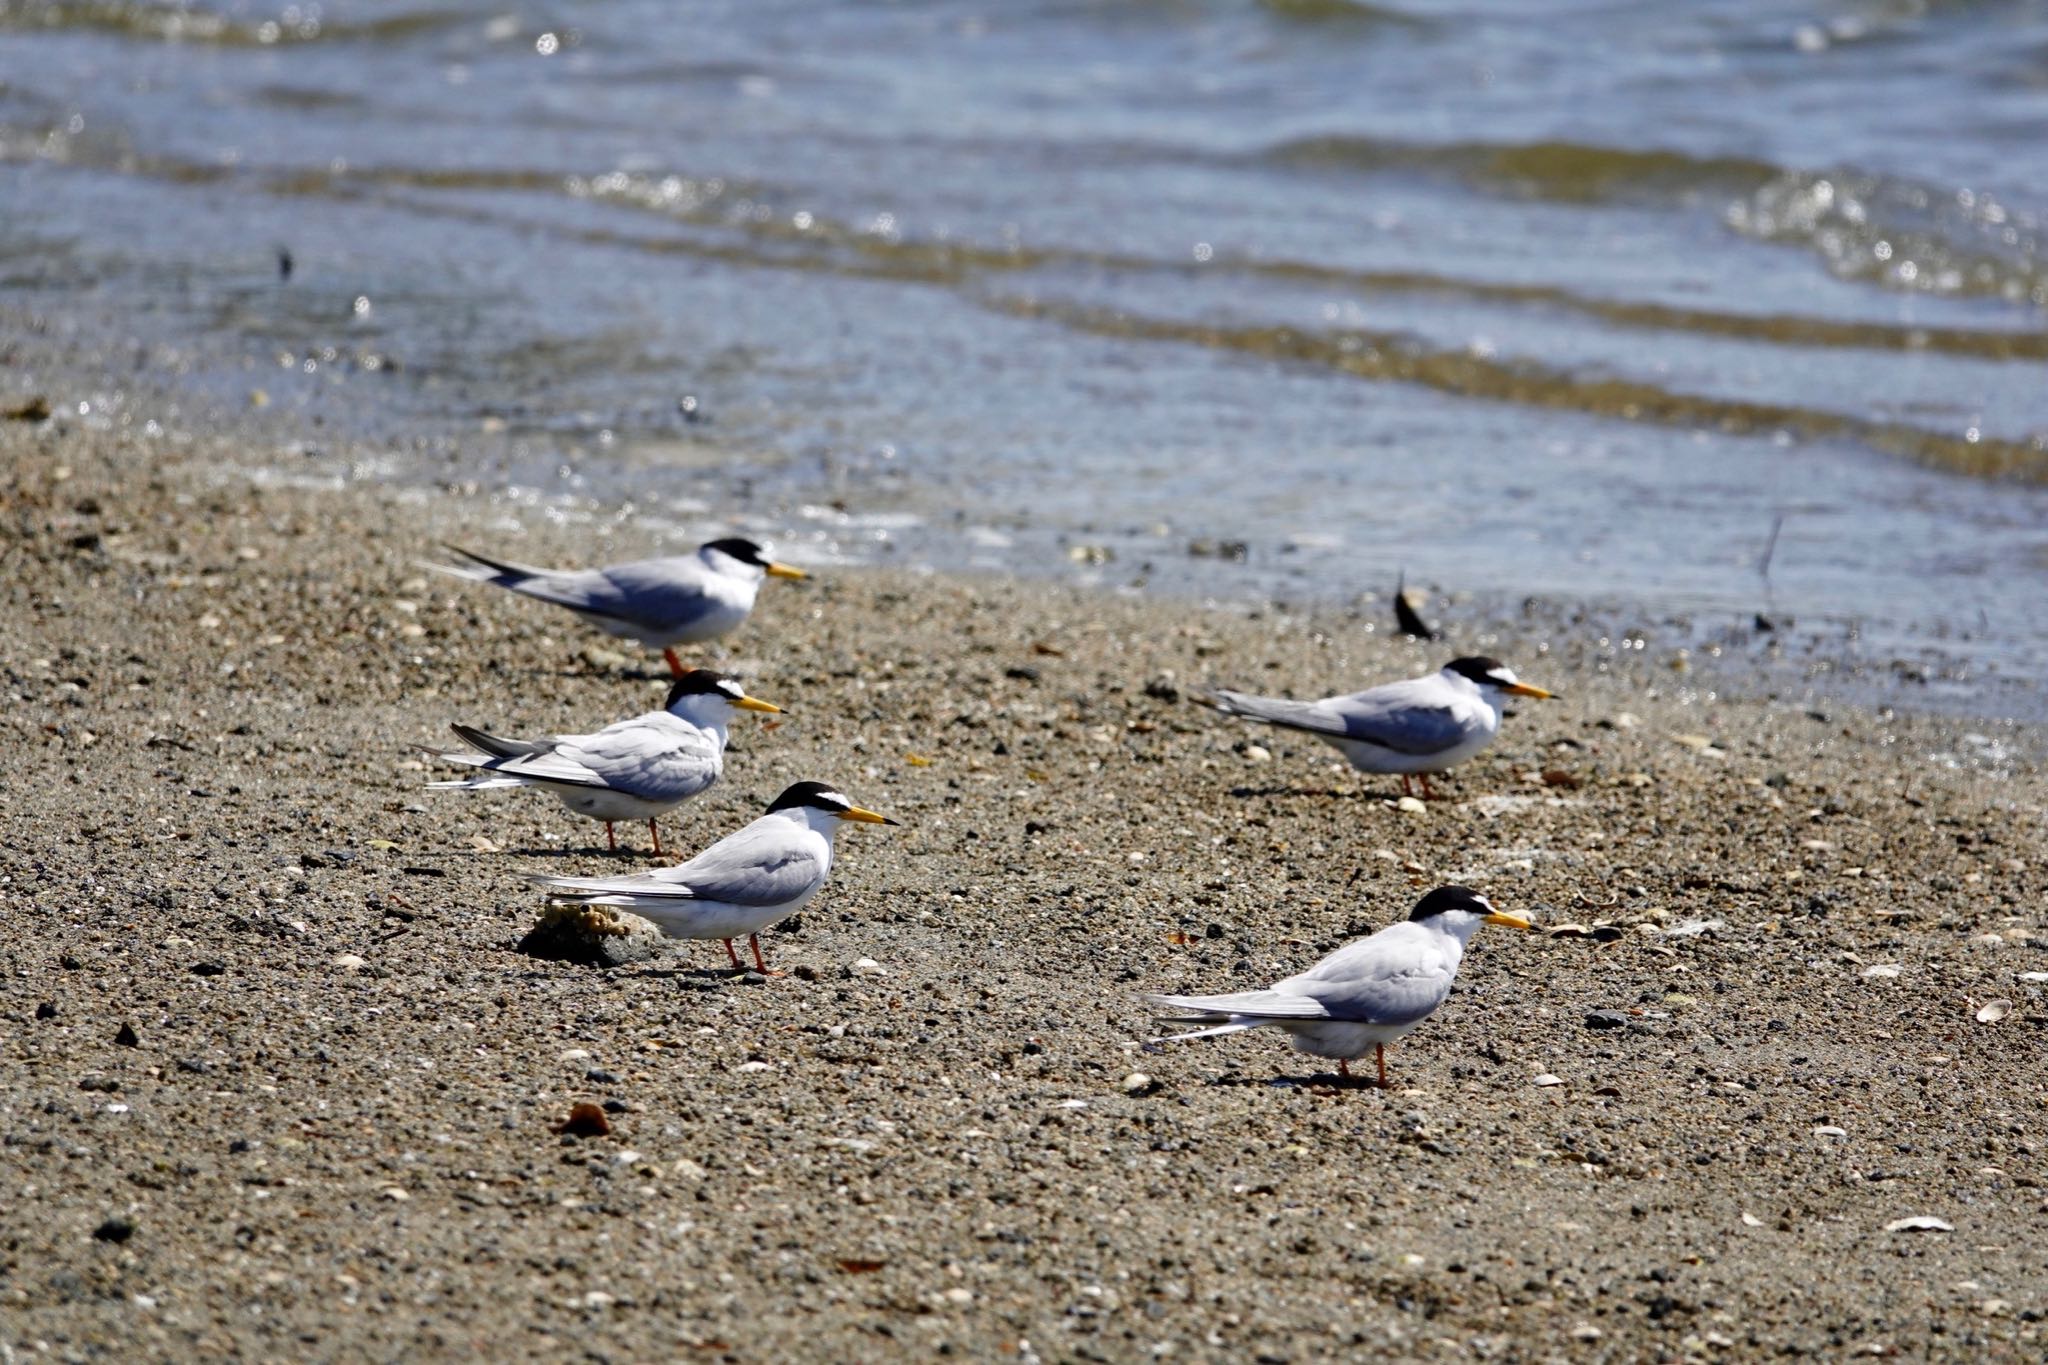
[786, 571]
[1524, 690]
[867, 817]
[1511, 921]
[756, 704]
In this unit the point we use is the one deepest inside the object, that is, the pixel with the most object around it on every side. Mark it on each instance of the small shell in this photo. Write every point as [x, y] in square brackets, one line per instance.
[1919, 1222]
[1878, 969]
[1547, 1079]
[1993, 1011]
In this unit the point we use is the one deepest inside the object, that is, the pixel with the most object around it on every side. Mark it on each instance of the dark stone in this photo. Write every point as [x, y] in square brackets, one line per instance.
[599, 1076]
[1606, 1019]
[115, 1229]
[569, 933]
[208, 969]
[127, 1037]
[47, 1010]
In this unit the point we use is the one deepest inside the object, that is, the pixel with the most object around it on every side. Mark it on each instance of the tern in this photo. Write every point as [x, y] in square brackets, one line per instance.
[740, 885]
[1364, 995]
[637, 769]
[662, 603]
[1414, 728]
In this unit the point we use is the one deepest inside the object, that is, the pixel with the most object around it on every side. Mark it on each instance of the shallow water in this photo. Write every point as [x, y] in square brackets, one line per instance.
[1575, 299]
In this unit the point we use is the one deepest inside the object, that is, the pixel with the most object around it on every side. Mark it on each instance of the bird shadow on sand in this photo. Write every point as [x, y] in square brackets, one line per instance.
[1306, 793]
[1319, 1083]
[714, 975]
[622, 855]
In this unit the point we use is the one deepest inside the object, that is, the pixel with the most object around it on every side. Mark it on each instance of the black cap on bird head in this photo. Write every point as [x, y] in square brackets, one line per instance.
[703, 682]
[1447, 898]
[745, 551]
[818, 796]
[1479, 669]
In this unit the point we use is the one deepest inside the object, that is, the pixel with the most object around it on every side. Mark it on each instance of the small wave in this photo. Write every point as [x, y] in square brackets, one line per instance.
[1387, 356]
[1559, 172]
[1341, 12]
[190, 24]
[1901, 235]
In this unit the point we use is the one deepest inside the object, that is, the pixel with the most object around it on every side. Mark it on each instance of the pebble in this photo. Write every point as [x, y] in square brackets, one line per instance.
[754, 1066]
[1920, 1222]
[1606, 1019]
[867, 966]
[599, 1076]
[1882, 969]
[114, 1229]
[1828, 1130]
[350, 962]
[1409, 805]
[127, 1037]
[1545, 1078]
[1257, 753]
[1138, 1083]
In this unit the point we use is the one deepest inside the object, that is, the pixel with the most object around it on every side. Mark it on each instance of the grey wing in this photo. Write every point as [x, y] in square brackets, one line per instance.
[1392, 717]
[1315, 717]
[1377, 982]
[655, 591]
[578, 589]
[637, 756]
[545, 766]
[1384, 717]
[498, 746]
[761, 865]
[1266, 1004]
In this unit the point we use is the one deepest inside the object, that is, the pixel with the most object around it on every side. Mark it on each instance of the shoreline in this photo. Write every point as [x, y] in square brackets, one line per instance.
[310, 438]
[216, 806]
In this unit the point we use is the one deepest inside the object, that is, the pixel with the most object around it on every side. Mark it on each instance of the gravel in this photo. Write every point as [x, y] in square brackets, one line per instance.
[929, 1135]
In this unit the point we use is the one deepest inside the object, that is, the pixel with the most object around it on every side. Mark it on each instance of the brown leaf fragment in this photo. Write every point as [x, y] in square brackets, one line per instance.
[585, 1120]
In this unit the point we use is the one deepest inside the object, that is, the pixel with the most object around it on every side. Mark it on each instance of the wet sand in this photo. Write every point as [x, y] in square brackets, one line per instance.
[327, 1131]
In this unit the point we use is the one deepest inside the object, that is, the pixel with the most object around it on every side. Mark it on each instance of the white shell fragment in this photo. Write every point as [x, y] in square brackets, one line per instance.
[1547, 1079]
[1876, 969]
[1919, 1222]
[1693, 928]
[1993, 1011]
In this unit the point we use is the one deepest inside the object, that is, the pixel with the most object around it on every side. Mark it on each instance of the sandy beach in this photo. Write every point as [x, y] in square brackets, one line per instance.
[278, 1085]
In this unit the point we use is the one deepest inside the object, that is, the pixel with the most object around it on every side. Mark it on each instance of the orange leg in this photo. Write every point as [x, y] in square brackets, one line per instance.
[654, 830]
[1407, 785]
[731, 954]
[1344, 1068]
[1428, 792]
[611, 840]
[754, 942]
[1380, 1050]
[675, 665]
